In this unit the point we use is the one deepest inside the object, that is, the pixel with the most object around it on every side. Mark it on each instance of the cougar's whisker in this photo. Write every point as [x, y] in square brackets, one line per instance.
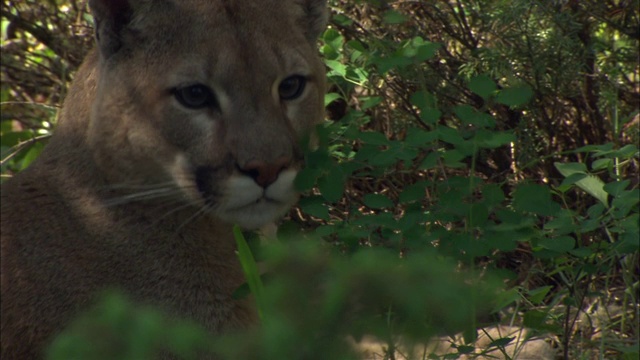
[170, 212]
[136, 186]
[141, 196]
[203, 210]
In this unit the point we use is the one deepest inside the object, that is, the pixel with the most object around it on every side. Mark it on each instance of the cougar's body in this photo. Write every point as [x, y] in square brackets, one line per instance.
[187, 118]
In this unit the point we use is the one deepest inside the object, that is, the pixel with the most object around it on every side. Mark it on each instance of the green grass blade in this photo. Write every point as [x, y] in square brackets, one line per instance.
[250, 269]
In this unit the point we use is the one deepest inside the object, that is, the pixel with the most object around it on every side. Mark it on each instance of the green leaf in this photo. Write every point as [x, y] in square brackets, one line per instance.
[493, 139]
[325, 230]
[332, 47]
[506, 298]
[411, 193]
[502, 342]
[430, 161]
[465, 113]
[319, 159]
[333, 38]
[384, 159]
[31, 154]
[373, 138]
[354, 44]
[386, 63]
[482, 85]
[515, 96]
[502, 240]
[535, 199]
[377, 201]
[306, 178]
[567, 169]
[625, 202]
[590, 184]
[452, 158]
[581, 252]
[407, 154]
[337, 67]
[534, 319]
[430, 115]
[421, 50]
[366, 153]
[536, 296]
[492, 195]
[357, 74]
[470, 116]
[331, 97]
[449, 135]
[616, 188]
[13, 138]
[314, 206]
[331, 186]
[562, 224]
[570, 180]
[464, 349]
[559, 244]
[628, 243]
[595, 148]
[370, 101]
[341, 20]
[394, 17]
[418, 137]
[478, 215]
[625, 152]
[427, 105]
[423, 100]
[602, 164]
[250, 270]
[596, 210]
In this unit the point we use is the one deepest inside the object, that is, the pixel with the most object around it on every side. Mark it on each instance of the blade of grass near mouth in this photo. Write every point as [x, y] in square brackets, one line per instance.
[250, 269]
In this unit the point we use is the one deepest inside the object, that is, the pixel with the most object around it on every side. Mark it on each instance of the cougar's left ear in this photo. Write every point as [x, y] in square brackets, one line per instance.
[110, 18]
[123, 23]
[316, 16]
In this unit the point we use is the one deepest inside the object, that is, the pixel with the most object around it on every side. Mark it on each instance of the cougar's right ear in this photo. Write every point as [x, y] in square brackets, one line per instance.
[316, 16]
[110, 19]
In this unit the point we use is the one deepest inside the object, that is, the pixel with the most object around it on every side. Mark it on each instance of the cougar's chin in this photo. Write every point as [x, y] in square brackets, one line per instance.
[251, 206]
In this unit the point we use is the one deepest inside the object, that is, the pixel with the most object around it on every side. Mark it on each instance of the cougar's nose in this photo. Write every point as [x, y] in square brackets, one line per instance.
[265, 173]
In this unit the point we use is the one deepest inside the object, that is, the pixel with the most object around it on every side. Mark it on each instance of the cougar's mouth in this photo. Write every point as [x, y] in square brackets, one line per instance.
[246, 203]
[263, 200]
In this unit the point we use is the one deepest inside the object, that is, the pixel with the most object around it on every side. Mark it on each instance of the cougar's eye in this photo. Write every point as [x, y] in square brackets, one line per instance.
[292, 87]
[195, 96]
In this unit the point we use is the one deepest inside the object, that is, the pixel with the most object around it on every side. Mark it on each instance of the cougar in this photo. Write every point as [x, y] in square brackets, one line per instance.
[188, 117]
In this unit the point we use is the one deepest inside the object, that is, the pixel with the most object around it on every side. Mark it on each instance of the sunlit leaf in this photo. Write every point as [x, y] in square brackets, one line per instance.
[331, 97]
[591, 183]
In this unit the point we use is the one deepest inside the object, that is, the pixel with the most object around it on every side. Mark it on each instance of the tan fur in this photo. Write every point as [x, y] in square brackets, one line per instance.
[136, 191]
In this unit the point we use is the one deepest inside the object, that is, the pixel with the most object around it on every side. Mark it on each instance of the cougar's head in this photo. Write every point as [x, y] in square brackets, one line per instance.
[211, 97]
